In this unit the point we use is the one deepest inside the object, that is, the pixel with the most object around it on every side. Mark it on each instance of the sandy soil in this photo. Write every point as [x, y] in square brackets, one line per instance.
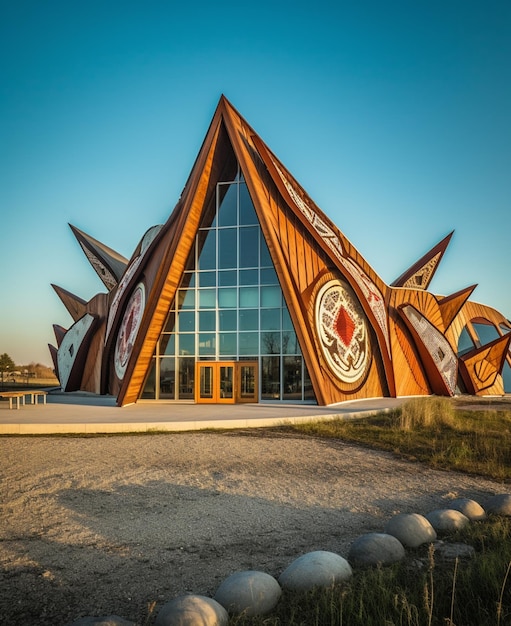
[108, 525]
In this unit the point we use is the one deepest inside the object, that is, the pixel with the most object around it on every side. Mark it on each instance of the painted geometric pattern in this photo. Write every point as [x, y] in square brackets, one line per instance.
[119, 293]
[145, 243]
[129, 329]
[420, 279]
[437, 345]
[70, 346]
[342, 332]
[107, 277]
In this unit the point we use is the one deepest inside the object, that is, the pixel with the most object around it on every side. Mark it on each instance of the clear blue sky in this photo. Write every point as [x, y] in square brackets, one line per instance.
[394, 116]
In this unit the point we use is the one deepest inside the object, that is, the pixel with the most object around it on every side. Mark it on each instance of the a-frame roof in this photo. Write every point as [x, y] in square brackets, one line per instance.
[302, 241]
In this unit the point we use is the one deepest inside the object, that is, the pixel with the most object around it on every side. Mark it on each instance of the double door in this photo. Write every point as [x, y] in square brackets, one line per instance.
[226, 382]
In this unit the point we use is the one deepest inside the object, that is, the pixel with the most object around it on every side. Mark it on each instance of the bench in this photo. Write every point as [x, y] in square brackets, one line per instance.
[17, 395]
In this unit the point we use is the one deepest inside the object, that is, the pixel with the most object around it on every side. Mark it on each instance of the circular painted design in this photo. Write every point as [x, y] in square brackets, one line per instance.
[342, 332]
[128, 329]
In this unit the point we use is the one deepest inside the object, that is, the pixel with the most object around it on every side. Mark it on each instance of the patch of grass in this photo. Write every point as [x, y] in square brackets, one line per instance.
[435, 431]
[419, 591]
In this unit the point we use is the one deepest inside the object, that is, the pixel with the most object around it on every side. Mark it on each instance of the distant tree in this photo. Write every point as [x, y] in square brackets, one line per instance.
[6, 364]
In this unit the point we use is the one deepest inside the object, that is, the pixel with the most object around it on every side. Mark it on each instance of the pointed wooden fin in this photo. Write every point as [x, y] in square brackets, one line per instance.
[60, 332]
[437, 356]
[53, 354]
[76, 306]
[451, 305]
[419, 275]
[480, 367]
[108, 264]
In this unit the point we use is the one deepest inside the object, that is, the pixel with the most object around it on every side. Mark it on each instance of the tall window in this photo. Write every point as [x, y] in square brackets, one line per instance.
[229, 306]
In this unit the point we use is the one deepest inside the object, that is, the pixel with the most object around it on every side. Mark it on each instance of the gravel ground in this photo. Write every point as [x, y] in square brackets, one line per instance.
[109, 525]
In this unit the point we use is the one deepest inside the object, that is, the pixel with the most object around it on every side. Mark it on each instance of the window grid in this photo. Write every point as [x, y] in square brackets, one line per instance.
[235, 312]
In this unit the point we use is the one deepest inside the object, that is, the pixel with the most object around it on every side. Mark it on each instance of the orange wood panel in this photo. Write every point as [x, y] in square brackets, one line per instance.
[480, 369]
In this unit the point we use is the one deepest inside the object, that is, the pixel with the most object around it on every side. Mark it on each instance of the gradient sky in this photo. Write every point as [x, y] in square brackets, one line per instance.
[394, 116]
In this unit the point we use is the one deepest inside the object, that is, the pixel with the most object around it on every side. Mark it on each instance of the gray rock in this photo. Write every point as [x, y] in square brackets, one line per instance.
[375, 549]
[315, 569]
[448, 552]
[192, 610]
[107, 620]
[446, 520]
[499, 504]
[470, 508]
[411, 529]
[250, 593]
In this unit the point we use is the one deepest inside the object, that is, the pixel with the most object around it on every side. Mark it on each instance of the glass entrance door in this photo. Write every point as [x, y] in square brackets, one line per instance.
[247, 388]
[206, 383]
[226, 382]
[215, 382]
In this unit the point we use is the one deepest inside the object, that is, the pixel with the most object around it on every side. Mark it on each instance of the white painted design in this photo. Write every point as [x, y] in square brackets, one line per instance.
[436, 344]
[70, 346]
[342, 332]
[106, 276]
[421, 278]
[145, 243]
[127, 276]
[149, 237]
[128, 329]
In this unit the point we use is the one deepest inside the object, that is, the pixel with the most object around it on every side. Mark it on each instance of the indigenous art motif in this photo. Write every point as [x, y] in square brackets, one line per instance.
[106, 276]
[423, 277]
[440, 352]
[354, 335]
[342, 332]
[72, 351]
[123, 285]
[129, 329]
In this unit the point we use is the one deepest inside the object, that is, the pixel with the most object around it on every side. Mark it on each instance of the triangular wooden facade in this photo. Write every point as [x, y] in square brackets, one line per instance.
[299, 248]
[359, 337]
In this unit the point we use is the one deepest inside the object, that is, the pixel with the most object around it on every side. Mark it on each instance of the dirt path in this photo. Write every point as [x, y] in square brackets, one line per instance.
[99, 526]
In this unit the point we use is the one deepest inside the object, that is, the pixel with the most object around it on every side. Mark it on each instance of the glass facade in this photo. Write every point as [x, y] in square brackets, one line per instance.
[229, 307]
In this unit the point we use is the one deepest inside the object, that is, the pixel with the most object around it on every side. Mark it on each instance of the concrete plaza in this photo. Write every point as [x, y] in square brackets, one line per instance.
[78, 413]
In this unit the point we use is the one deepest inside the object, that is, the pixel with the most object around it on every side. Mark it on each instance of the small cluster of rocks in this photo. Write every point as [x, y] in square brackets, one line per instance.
[257, 593]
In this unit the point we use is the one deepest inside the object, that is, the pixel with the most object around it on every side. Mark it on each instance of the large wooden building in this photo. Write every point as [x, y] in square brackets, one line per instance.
[249, 293]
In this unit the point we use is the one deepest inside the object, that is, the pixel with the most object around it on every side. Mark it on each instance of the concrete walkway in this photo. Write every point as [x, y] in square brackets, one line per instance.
[81, 413]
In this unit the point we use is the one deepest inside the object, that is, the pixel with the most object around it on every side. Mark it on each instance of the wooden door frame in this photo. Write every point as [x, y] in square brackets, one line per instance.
[216, 397]
[239, 365]
[236, 382]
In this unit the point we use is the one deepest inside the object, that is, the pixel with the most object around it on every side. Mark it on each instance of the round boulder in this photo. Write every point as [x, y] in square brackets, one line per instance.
[107, 620]
[250, 593]
[192, 610]
[499, 504]
[315, 569]
[446, 520]
[411, 529]
[375, 549]
[470, 508]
